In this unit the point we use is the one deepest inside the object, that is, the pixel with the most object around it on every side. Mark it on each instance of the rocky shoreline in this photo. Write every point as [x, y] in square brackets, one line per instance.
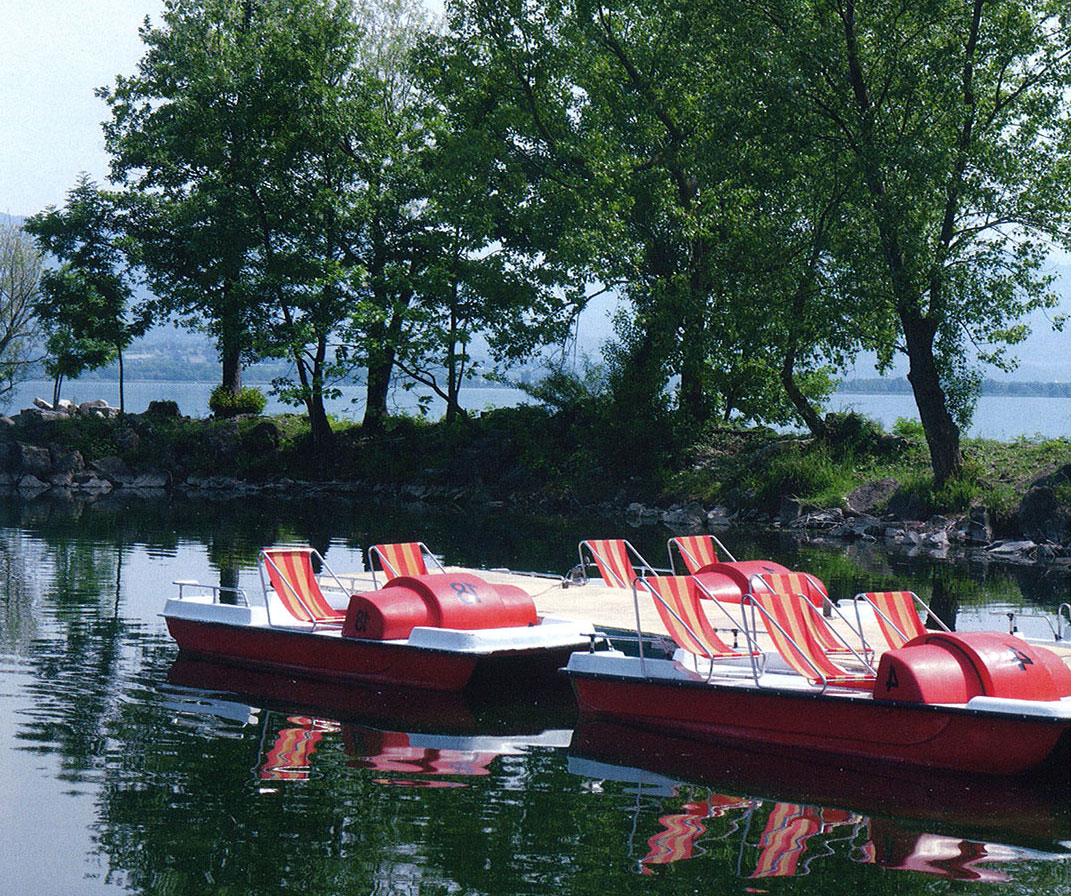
[880, 511]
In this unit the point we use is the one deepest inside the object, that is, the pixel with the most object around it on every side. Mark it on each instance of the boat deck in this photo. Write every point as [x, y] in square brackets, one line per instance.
[613, 609]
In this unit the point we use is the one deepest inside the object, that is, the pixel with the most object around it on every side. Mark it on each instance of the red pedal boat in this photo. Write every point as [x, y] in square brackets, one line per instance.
[979, 702]
[433, 630]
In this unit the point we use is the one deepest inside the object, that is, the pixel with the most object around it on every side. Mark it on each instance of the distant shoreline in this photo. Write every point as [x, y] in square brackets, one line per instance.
[898, 386]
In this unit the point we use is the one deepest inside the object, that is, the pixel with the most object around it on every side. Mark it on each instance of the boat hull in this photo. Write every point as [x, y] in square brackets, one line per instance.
[329, 657]
[852, 727]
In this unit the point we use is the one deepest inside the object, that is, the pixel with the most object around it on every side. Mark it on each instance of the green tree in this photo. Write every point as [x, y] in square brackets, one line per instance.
[85, 303]
[187, 136]
[954, 116]
[21, 264]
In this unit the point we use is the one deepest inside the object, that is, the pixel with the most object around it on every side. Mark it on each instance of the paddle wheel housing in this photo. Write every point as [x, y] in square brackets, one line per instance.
[954, 667]
[442, 600]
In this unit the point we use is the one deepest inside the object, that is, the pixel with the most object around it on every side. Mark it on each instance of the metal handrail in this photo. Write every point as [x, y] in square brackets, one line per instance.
[216, 590]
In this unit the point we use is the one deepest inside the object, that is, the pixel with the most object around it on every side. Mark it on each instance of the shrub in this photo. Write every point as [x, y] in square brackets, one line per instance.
[909, 429]
[225, 403]
[164, 408]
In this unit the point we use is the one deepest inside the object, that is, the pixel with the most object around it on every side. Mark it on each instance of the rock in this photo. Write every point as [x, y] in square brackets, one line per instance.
[165, 408]
[1041, 517]
[637, 514]
[114, 469]
[976, 528]
[791, 509]
[148, 481]
[862, 527]
[262, 438]
[32, 459]
[66, 460]
[872, 497]
[682, 518]
[719, 517]
[1005, 548]
[28, 483]
[6, 421]
[127, 439]
[907, 505]
[43, 405]
[89, 482]
[97, 408]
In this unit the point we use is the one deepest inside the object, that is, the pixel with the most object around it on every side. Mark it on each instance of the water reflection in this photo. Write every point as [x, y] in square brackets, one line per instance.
[786, 813]
[154, 776]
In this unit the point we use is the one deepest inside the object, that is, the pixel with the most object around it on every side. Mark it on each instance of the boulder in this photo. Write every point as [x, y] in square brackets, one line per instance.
[28, 483]
[66, 460]
[907, 505]
[97, 408]
[32, 459]
[976, 527]
[114, 469]
[165, 408]
[872, 497]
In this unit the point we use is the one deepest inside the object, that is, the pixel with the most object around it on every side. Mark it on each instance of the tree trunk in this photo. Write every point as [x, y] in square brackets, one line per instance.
[806, 410]
[375, 406]
[122, 403]
[319, 425]
[232, 369]
[942, 434]
[56, 383]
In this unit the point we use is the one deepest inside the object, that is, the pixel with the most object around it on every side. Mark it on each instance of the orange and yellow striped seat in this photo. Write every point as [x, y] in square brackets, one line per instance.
[811, 590]
[789, 621]
[614, 559]
[696, 551]
[677, 600]
[404, 559]
[897, 613]
[294, 582]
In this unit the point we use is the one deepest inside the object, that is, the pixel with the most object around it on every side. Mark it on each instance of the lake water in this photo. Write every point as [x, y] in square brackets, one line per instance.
[192, 398]
[997, 416]
[126, 770]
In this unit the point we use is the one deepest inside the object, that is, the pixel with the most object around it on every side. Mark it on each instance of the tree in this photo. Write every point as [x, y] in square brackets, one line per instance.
[85, 304]
[632, 125]
[187, 136]
[21, 265]
[954, 116]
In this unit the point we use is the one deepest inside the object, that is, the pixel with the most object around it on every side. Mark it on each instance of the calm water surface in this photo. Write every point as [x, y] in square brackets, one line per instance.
[123, 770]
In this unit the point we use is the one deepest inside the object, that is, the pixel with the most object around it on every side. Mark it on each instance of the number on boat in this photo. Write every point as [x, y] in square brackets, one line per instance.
[466, 592]
[892, 681]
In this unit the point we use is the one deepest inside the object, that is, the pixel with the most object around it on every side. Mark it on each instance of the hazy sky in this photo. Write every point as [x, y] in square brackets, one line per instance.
[53, 55]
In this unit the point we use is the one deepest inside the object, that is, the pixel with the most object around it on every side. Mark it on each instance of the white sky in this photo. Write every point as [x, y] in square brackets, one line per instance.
[53, 55]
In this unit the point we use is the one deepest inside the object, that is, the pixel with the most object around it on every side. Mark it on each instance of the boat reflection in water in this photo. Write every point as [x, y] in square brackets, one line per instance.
[784, 814]
[444, 737]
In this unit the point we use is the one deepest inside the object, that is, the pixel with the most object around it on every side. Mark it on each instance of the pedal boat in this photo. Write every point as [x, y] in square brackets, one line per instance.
[436, 631]
[978, 702]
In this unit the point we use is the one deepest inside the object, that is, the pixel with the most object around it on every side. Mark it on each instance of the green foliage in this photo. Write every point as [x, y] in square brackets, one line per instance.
[21, 265]
[909, 428]
[85, 302]
[811, 474]
[226, 403]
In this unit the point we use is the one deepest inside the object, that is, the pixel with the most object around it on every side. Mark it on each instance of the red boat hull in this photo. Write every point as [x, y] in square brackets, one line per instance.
[313, 655]
[862, 728]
